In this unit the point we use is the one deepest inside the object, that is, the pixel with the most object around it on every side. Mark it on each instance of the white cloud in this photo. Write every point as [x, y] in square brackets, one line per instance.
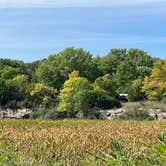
[74, 3]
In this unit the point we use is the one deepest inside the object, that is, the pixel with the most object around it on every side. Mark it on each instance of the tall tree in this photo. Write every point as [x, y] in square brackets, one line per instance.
[105, 84]
[136, 65]
[55, 70]
[125, 74]
[110, 63]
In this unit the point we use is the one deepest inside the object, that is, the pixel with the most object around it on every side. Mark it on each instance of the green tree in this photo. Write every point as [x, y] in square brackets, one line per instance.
[135, 65]
[135, 92]
[55, 70]
[142, 60]
[110, 63]
[17, 91]
[4, 92]
[106, 85]
[23, 68]
[9, 73]
[125, 74]
[11, 63]
[140, 57]
[13, 85]
[30, 69]
[105, 92]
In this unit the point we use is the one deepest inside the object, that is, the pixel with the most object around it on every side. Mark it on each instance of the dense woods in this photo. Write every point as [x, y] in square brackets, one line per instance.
[75, 84]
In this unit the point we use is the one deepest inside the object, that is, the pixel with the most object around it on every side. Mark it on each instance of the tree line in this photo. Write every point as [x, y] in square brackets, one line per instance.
[77, 84]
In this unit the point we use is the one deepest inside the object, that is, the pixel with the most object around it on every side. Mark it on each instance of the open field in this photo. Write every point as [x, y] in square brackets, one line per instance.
[70, 141]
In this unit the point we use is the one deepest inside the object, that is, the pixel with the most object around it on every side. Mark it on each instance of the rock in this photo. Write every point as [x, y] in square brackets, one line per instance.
[15, 114]
[111, 114]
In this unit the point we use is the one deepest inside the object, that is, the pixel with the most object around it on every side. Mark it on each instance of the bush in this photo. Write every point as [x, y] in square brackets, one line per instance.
[53, 114]
[38, 113]
[48, 113]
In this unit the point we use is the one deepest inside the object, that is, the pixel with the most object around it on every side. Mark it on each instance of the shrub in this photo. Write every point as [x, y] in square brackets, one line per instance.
[53, 114]
[38, 112]
[47, 113]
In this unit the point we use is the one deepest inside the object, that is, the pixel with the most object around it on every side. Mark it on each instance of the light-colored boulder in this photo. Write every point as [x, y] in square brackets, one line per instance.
[15, 114]
[111, 114]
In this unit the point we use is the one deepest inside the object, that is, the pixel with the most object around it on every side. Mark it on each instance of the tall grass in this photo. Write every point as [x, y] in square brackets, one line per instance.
[71, 142]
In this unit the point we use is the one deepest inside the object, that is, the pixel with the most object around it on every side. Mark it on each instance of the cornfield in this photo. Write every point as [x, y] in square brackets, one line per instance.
[71, 142]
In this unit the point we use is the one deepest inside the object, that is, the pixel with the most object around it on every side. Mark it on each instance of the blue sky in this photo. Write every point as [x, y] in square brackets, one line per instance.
[32, 30]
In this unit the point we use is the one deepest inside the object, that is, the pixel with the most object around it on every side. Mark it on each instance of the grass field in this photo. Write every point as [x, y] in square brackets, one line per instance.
[70, 142]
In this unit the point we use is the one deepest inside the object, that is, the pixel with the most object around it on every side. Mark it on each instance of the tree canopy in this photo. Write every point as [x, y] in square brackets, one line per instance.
[55, 70]
[77, 83]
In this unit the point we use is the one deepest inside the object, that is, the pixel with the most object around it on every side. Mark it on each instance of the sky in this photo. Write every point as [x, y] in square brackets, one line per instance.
[33, 29]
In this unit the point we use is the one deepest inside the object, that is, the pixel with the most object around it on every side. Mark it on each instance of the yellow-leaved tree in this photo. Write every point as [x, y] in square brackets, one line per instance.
[76, 97]
[42, 94]
[155, 85]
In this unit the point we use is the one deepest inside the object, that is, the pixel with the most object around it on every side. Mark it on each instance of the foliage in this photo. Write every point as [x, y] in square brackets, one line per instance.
[76, 96]
[12, 64]
[106, 85]
[100, 80]
[136, 65]
[8, 73]
[107, 102]
[4, 92]
[135, 91]
[13, 91]
[110, 63]
[55, 70]
[155, 84]
[46, 113]
[125, 74]
[42, 95]
[105, 90]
